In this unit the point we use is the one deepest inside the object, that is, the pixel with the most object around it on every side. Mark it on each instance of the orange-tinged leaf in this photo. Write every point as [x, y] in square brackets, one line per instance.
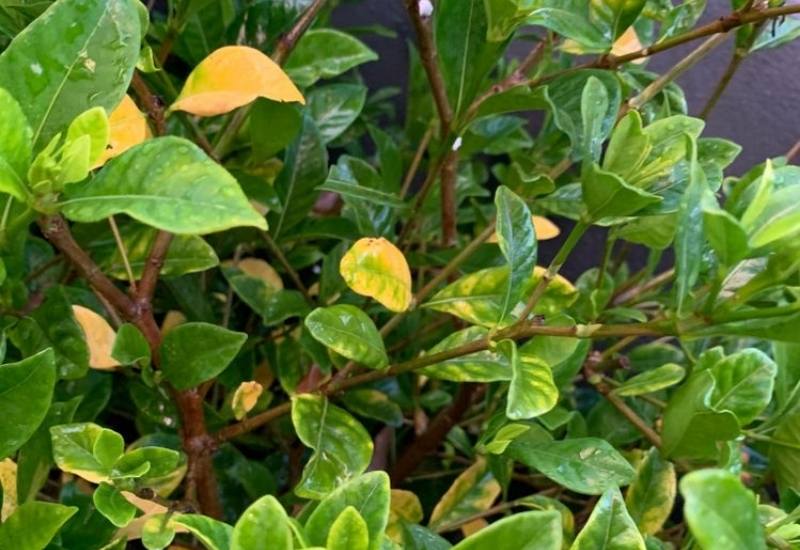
[376, 268]
[627, 43]
[544, 229]
[231, 77]
[127, 127]
[245, 398]
[99, 337]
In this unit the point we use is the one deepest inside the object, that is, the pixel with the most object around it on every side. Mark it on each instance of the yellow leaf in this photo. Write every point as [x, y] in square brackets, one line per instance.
[8, 483]
[472, 527]
[127, 127]
[376, 268]
[544, 229]
[99, 337]
[628, 43]
[245, 398]
[405, 508]
[231, 77]
[172, 319]
[259, 269]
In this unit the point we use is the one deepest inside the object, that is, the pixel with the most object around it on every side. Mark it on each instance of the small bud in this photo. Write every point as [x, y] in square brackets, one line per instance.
[457, 144]
[425, 8]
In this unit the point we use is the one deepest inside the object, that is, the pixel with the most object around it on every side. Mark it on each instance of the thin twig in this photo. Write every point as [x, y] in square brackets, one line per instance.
[123, 252]
[289, 40]
[415, 162]
[447, 184]
[293, 275]
[793, 152]
[152, 268]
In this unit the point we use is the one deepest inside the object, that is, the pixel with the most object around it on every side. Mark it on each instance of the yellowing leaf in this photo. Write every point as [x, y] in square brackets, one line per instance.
[260, 269]
[376, 268]
[405, 508]
[628, 43]
[8, 484]
[172, 319]
[544, 228]
[231, 77]
[245, 398]
[99, 337]
[127, 127]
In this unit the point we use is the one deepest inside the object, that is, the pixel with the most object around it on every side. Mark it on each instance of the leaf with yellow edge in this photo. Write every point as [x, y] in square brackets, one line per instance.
[376, 268]
[471, 493]
[127, 126]
[259, 269]
[231, 77]
[544, 228]
[8, 486]
[99, 337]
[405, 508]
[245, 398]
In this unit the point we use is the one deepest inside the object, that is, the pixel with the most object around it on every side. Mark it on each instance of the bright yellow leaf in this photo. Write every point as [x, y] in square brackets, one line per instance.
[544, 229]
[627, 43]
[127, 127]
[259, 269]
[99, 337]
[376, 268]
[8, 483]
[245, 398]
[231, 77]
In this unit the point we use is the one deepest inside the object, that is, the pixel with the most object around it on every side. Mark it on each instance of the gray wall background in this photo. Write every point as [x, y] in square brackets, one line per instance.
[760, 109]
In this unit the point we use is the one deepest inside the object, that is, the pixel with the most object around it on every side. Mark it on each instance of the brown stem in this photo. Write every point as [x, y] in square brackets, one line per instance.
[289, 40]
[448, 190]
[151, 104]
[427, 54]
[643, 427]
[440, 426]
[152, 269]
[415, 162]
[793, 152]
[739, 53]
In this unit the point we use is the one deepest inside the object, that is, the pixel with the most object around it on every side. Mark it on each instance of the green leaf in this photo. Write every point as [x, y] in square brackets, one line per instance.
[785, 459]
[371, 403]
[744, 382]
[348, 532]
[342, 447]
[778, 219]
[62, 332]
[157, 533]
[532, 391]
[594, 106]
[725, 235]
[787, 357]
[325, 53]
[610, 527]
[517, 240]
[606, 195]
[192, 353]
[465, 56]
[15, 147]
[273, 304]
[521, 531]
[168, 183]
[651, 494]
[305, 167]
[478, 297]
[472, 492]
[348, 331]
[571, 18]
[584, 465]
[689, 235]
[62, 65]
[86, 450]
[628, 146]
[213, 534]
[617, 15]
[26, 389]
[91, 124]
[369, 494]
[33, 525]
[348, 189]
[273, 125]
[691, 428]
[335, 107]
[482, 366]
[130, 346]
[263, 524]
[652, 380]
[720, 511]
[391, 161]
[504, 16]
[113, 505]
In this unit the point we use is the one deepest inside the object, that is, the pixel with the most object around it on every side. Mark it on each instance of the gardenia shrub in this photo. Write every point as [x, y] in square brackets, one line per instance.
[247, 305]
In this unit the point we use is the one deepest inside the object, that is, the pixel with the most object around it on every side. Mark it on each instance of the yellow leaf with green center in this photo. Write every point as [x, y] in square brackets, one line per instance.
[127, 127]
[99, 338]
[245, 398]
[231, 77]
[472, 492]
[376, 268]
